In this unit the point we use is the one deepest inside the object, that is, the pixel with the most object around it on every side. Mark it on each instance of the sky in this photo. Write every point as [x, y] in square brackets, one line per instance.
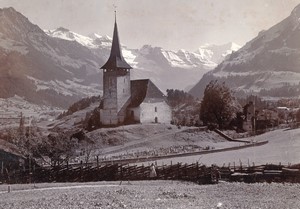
[171, 24]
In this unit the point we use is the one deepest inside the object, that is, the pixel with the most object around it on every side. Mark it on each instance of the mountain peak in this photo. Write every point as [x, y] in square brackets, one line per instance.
[102, 38]
[217, 53]
[296, 11]
[62, 29]
[234, 46]
[16, 26]
[7, 9]
[295, 15]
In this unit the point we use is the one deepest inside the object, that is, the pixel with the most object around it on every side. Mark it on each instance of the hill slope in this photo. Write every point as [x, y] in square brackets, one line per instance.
[43, 69]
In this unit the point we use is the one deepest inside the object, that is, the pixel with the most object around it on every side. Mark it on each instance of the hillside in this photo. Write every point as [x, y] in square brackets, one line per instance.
[268, 65]
[157, 138]
[282, 148]
[42, 69]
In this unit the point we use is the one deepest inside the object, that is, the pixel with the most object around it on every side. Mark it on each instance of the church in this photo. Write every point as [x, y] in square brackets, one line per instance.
[129, 101]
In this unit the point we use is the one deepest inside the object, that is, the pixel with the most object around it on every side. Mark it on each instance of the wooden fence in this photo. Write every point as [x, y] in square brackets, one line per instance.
[122, 172]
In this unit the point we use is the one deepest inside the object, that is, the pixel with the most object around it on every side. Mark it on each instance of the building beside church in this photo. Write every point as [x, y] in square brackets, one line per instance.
[129, 101]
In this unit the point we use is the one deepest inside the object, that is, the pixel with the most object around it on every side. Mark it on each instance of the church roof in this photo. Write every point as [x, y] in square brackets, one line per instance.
[144, 90]
[116, 59]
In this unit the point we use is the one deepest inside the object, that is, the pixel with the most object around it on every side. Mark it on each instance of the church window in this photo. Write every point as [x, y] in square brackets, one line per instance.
[155, 109]
[132, 114]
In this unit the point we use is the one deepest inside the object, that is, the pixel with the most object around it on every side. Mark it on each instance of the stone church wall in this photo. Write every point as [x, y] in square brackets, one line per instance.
[123, 90]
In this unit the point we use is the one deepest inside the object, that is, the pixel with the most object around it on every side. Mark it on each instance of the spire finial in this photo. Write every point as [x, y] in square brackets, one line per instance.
[115, 12]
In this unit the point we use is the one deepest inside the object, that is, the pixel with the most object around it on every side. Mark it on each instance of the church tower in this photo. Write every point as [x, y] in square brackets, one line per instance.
[116, 84]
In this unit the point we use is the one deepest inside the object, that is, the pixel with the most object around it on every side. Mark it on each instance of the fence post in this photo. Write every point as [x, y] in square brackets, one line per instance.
[163, 171]
[121, 174]
[197, 169]
[67, 171]
[81, 176]
[178, 170]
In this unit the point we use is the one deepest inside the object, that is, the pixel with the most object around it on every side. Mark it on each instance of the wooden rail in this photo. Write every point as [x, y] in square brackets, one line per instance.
[187, 172]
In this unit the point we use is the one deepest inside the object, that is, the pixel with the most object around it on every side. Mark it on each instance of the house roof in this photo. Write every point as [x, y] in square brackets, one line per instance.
[116, 59]
[144, 90]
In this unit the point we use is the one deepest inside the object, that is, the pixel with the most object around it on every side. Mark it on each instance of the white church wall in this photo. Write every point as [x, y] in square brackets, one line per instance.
[136, 112]
[159, 112]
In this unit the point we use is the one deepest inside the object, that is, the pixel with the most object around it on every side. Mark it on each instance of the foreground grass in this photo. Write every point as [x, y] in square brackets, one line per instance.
[150, 194]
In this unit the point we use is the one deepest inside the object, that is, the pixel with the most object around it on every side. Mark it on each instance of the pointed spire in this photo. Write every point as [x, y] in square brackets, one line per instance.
[116, 59]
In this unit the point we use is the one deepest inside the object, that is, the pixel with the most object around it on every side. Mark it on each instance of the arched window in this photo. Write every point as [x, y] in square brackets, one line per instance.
[155, 109]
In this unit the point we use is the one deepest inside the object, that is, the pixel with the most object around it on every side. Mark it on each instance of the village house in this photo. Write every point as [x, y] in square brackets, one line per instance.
[126, 100]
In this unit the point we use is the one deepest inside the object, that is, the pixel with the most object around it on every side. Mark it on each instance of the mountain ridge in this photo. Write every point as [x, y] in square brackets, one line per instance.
[155, 62]
[269, 61]
[58, 67]
[27, 52]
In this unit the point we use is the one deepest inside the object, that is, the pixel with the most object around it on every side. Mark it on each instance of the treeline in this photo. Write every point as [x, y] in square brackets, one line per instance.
[80, 105]
[177, 97]
[284, 91]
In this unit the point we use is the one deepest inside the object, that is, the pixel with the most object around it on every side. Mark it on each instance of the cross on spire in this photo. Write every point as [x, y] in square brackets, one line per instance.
[115, 12]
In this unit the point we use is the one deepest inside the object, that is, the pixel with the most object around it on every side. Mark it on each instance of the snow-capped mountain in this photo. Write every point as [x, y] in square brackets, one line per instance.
[58, 67]
[184, 67]
[268, 65]
[92, 41]
[217, 53]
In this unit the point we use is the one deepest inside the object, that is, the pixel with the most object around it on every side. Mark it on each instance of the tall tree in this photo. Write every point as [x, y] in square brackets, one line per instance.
[218, 105]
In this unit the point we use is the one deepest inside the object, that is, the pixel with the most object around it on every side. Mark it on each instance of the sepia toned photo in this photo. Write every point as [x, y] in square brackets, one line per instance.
[153, 104]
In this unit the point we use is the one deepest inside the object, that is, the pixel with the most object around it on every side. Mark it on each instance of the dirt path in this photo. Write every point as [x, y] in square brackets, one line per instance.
[157, 195]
